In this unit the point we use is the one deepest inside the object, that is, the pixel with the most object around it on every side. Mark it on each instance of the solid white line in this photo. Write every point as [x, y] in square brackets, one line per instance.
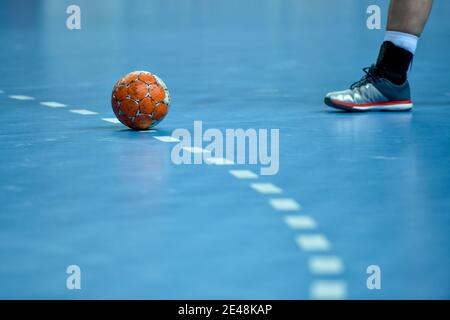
[313, 242]
[166, 139]
[111, 120]
[83, 112]
[52, 104]
[19, 97]
[266, 188]
[329, 265]
[300, 222]
[285, 204]
[218, 161]
[243, 174]
[195, 150]
[328, 290]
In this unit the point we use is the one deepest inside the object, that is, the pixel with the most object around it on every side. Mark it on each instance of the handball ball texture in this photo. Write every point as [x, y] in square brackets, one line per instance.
[140, 100]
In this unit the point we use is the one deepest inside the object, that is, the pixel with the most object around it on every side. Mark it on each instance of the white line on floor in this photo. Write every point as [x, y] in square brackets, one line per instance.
[328, 290]
[84, 112]
[313, 242]
[111, 120]
[243, 174]
[19, 97]
[384, 158]
[52, 104]
[266, 188]
[285, 204]
[218, 161]
[326, 265]
[195, 150]
[300, 222]
[166, 139]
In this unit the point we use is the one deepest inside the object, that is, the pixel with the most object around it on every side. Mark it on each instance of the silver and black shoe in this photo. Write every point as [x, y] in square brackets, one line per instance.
[372, 93]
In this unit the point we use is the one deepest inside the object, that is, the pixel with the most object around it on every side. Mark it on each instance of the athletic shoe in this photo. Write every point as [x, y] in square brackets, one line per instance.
[372, 93]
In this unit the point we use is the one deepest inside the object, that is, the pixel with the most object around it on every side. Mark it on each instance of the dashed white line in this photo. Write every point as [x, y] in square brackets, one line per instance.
[167, 139]
[326, 265]
[84, 112]
[218, 161]
[300, 222]
[266, 188]
[285, 204]
[1, 91]
[243, 174]
[20, 97]
[313, 242]
[111, 120]
[328, 290]
[323, 265]
[195, 150]
[52, 104]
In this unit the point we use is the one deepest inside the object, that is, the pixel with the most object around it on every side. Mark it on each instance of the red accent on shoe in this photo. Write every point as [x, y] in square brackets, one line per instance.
[351, 105]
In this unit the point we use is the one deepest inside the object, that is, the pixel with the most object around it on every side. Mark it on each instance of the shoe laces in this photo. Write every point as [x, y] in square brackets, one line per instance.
[369, 77]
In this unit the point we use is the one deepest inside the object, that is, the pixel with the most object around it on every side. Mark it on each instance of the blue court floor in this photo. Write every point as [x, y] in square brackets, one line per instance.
[359, 189]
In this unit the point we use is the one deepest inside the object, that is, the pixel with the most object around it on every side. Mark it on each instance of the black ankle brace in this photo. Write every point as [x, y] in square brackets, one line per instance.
[393, 63]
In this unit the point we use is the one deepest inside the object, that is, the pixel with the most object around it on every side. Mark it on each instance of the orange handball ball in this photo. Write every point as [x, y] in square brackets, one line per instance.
[140, 100]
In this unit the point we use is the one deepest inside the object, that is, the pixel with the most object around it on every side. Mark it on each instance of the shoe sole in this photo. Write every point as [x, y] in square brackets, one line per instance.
[406, 105]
